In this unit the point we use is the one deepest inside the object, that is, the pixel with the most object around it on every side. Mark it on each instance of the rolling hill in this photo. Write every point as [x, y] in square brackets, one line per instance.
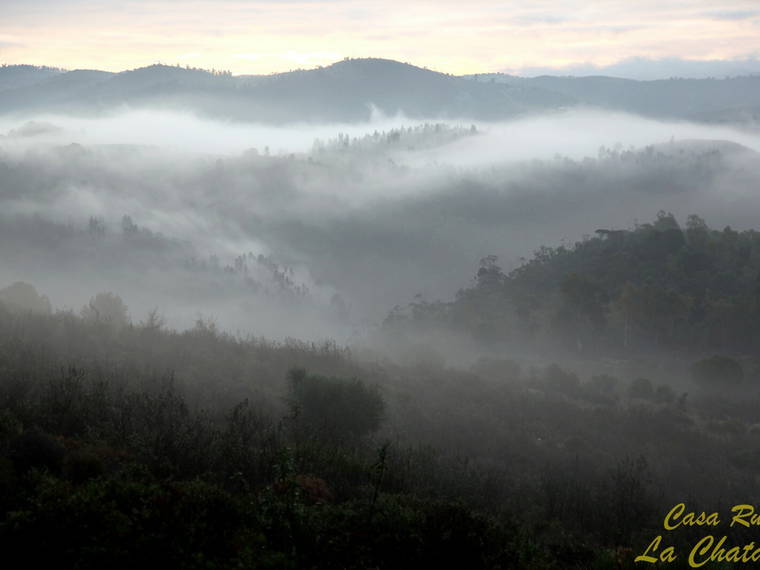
[353, 89]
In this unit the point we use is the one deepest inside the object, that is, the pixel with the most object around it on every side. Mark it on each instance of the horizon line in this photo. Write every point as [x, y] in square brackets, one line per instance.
[227, 72]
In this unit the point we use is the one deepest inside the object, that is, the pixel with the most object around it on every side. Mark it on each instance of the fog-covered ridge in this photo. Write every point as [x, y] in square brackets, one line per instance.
[386, 303]
[350, 90]
[319, 231]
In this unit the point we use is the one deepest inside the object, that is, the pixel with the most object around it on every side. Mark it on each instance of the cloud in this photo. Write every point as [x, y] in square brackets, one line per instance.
[269, 36]
[732, 14]
[292, 56]
[415, 218]
[649, 68]
[541, 18]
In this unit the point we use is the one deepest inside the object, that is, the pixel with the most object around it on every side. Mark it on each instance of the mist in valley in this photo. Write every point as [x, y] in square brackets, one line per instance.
[515, 310]
[157, 207]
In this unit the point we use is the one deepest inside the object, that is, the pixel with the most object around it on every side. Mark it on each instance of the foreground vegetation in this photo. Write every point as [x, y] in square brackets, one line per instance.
[128, 445]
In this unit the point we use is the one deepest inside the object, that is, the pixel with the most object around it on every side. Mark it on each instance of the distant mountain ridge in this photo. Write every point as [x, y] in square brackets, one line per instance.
[351, 90]
[697, 99]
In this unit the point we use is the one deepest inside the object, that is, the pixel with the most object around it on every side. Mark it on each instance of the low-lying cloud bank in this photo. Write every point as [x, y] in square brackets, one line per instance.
[647, 69]
[314, 240]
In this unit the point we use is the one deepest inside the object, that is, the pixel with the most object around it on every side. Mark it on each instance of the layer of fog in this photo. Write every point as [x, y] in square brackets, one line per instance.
[643, 68]
[345, 229]
[182, 132]
[575, 133]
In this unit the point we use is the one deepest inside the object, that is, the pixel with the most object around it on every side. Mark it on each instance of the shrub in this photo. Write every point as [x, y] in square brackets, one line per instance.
[36, 450]
[602, 384]
[641, 388]
[106, 308]
[665, 394]
[337, 408]
[82, 465]
[128, 524]
[555, 378]
[497, 368]
[717, 371]
[23, 298]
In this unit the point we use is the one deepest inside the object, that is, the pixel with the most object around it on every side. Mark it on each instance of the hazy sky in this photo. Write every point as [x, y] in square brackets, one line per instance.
[452, 36]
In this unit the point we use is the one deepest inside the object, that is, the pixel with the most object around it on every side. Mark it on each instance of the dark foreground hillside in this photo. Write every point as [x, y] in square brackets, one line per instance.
[126, 445]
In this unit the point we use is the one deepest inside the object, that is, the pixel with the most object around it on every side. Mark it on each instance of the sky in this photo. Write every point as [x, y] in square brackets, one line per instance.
[446, 35]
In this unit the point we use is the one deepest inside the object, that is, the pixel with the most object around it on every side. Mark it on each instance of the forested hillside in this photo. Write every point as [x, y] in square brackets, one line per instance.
[658, 286]
[353, 89]
[272, 297]
[127, 443]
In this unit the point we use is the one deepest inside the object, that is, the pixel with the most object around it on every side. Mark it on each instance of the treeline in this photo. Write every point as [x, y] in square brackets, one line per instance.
[427, 135]
[658, 286]
[26, 66]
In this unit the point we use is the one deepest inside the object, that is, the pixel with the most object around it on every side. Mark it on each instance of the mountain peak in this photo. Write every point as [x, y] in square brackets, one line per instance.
[379, 64]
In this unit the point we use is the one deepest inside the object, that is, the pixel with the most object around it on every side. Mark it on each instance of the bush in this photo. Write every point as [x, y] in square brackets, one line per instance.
[82, 465]
[641, 388]
[106, 308]
[602, 384]
[23, 298]
[337, 408]
[717, 371]
[128, 524]
[665, 394]
[555, 378]
[36, 450]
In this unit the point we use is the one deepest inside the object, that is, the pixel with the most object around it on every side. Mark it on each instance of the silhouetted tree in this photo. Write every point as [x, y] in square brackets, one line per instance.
[106, 308]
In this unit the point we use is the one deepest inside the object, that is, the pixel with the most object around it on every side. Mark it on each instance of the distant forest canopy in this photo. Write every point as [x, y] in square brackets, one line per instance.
[255, 236]
[656, 286]
[426, 135]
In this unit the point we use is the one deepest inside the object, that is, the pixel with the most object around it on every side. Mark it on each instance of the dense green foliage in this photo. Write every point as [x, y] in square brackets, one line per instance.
[335, 408]
[718, 371]
[658, 286]
[125, 445]
[136, 446]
